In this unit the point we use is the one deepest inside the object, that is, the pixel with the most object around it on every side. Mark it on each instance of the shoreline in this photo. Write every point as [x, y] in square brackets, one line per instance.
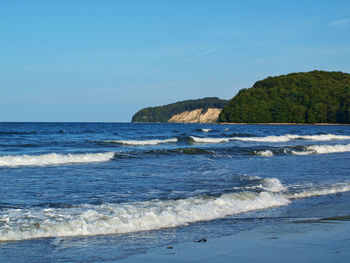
[287, 123]
[246, 123]
[285, 242]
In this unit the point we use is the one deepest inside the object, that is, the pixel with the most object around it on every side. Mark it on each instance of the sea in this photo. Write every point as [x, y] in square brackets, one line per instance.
[104, 192]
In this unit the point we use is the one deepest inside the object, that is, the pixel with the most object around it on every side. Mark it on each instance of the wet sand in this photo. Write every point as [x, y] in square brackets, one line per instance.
[315, 241]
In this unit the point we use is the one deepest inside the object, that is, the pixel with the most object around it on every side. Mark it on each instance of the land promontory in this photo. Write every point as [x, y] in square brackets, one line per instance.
[311, 97]
[204, 110]
[305, 97]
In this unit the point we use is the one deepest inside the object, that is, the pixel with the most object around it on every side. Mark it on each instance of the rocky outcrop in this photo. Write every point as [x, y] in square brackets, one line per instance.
[166, 112]
[211, 115]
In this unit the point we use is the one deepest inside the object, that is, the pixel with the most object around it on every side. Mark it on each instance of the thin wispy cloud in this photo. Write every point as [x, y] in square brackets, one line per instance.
[172, 50]
[206, 52]
[345, 22]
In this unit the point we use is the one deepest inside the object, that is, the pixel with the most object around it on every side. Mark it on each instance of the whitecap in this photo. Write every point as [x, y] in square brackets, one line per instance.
[290, 137]
[323, 149]
[143, 142]
[129, 217]
[53, 159]
[267, 184]
[277, 139]
[266, 153]
[111, 218]
[319, 191]
[273, 185]
[209, 140]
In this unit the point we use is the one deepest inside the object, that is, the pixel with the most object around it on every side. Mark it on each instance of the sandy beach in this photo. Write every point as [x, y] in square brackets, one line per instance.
[318, 241]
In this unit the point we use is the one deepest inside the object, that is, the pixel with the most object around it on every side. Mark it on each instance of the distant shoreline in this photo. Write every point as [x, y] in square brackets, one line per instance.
[287, 123]
[246, 123]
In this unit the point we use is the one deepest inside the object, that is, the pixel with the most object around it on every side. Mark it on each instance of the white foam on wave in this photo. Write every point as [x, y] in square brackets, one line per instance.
[273, 185]
[267, 184]
[325, 137]
[82, 220]
[206, 130]
[315, 191]
[323, 149]
[289, 137]
[19, 224]
[280, 138]
[143, 142]
[266, 153]
[209, 140]
[53, 159]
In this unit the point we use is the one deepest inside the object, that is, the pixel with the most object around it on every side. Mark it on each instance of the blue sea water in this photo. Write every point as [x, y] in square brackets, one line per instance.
[93, 192]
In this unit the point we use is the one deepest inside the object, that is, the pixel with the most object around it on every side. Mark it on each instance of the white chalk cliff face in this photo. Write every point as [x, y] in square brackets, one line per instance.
[197, 116]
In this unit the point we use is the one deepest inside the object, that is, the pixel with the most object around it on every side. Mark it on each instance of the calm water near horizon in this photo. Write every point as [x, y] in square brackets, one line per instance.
[78, 192]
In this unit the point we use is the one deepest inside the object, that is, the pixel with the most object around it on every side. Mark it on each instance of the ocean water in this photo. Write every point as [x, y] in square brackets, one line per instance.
[93, 192]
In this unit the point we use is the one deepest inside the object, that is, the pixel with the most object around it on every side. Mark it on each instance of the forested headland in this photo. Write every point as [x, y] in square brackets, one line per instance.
[311, 97]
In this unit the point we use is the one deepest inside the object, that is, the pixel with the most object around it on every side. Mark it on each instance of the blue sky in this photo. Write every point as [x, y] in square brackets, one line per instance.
[105, 60]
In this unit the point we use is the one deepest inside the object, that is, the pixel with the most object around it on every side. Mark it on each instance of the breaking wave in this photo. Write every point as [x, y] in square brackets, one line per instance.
[266, 184]
[19, 224]
[280, 138]
[143, 142]
[209, 140]
[111, 218]
[290, 137]
[53, 159]
[323, 149]
[266, 153]
[272, 185]
[314, 191]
